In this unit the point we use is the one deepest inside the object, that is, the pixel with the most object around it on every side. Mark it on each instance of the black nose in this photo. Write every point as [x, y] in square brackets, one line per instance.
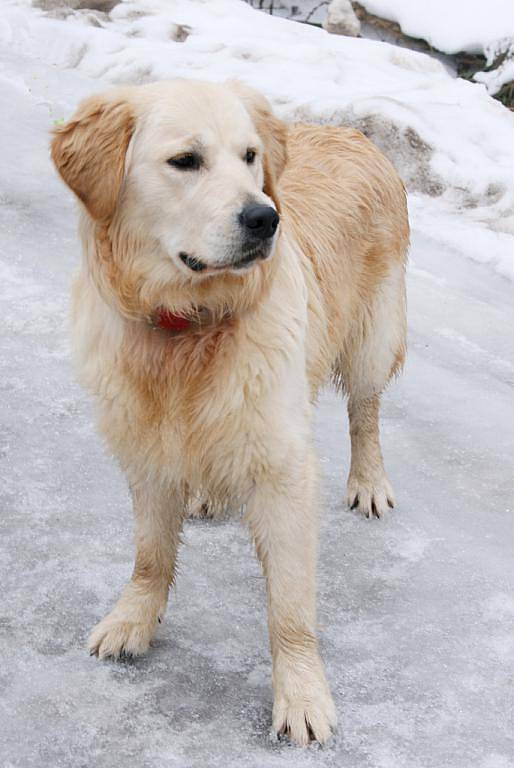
[261, 221]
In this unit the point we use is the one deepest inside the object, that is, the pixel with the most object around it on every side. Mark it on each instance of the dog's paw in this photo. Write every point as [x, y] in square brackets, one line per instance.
[305, 719]
[304, 710]
[113, 637]
[197, 509]
[372, 496]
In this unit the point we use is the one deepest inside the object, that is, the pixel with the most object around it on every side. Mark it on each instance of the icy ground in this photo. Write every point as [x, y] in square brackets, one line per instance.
[416, 612]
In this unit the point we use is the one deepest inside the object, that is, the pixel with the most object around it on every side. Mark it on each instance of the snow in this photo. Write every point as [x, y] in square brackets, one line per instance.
[416, 612]
[496, 79]
[502, 50]
[458, 25]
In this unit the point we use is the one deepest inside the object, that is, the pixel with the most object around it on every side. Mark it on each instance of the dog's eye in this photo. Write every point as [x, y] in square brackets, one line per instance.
[250, 156]
[189, 161]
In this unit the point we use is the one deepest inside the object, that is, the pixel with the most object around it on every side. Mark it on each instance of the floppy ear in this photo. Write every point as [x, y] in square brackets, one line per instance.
[89, 152]
[273, 133]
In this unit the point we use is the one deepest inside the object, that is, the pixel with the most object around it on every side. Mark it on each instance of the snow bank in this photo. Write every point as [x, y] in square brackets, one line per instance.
[458, 25]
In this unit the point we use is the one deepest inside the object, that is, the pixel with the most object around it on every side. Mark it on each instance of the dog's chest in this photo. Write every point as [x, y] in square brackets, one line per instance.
[224, 423]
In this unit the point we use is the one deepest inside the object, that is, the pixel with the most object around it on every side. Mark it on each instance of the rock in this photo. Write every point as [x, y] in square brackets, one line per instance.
[103, 6]
[341, 19]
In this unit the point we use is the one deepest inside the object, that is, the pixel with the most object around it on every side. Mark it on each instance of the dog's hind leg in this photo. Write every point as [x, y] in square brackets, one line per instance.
[130, 626]
[199, 509]
[373, 357]
[368, 486]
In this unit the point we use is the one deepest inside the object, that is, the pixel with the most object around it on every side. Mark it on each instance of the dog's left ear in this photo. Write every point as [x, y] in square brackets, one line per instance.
[273, 133]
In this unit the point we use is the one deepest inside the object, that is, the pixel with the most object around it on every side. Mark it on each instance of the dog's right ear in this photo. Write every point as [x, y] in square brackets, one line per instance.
[89, 152]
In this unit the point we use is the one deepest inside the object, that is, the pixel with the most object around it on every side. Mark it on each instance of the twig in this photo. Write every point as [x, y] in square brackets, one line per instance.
[316, 8]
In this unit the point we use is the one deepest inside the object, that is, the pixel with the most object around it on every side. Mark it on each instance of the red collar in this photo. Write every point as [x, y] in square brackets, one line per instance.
[196, 320]
[170, 321]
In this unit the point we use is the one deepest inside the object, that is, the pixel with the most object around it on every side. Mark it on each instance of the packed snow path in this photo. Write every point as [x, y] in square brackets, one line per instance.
[416, 611]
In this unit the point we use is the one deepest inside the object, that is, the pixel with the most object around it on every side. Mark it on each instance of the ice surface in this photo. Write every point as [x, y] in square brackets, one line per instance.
[416, 612]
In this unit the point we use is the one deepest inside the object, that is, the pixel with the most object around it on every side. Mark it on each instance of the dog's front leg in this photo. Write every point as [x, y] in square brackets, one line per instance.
[130, 626]
[283, 519]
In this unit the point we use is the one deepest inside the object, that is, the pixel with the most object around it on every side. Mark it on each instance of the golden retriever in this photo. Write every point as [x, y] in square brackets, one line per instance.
[232, 265]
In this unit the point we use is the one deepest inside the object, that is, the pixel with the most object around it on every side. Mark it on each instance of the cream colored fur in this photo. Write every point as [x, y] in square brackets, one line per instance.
[223, 415]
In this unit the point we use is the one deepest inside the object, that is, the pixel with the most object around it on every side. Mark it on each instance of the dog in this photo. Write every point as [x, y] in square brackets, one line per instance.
[232, 266]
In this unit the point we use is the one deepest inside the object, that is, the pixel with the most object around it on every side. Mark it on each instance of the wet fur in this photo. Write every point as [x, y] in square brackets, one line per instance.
[224, 414]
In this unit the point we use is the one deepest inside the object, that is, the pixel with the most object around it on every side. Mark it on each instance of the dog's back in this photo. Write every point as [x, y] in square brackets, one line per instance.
[346, 207]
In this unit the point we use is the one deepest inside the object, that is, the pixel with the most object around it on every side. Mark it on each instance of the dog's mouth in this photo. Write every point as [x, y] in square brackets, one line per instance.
[248, 257]
[193, 263]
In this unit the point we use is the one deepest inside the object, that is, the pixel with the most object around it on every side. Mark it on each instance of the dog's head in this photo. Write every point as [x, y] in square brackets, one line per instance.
[180, 178]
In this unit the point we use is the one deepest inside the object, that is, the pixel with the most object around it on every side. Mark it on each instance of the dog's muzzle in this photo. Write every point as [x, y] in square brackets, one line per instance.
[259, 224]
